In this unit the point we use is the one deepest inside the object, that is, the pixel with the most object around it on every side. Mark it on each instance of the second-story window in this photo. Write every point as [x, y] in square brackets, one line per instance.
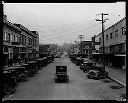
[9, 37]
[106, 37]
[17, 39]
[14, 38]
[4, 36]
[116, 33]
[25, 40]
[110, 36]
[35, 42]
[100, 40]
[123, 30]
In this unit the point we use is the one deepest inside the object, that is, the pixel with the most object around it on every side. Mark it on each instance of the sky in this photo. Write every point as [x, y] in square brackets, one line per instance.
[60, 23]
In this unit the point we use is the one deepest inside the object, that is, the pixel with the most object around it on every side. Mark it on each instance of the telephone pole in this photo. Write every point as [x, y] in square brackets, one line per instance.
[103, 20]
[81, 37]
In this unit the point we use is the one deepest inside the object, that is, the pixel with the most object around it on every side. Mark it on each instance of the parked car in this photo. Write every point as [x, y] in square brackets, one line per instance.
[97, 74]
[20, 73]
[61, 74]
[9, 83]
[86, 60]
[79, 61]
[86, 66]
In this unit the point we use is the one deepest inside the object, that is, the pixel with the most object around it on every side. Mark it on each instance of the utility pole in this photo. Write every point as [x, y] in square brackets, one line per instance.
[81, 37]
[103, 20]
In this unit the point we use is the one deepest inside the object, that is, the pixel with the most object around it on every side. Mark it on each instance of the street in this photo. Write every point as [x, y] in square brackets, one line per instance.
[43, 87]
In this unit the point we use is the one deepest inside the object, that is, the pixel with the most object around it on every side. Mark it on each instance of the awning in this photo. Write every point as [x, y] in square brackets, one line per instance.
[95, 53]
[122, 55]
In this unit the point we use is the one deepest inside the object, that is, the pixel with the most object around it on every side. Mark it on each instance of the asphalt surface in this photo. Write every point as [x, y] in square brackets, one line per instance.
[43, 87]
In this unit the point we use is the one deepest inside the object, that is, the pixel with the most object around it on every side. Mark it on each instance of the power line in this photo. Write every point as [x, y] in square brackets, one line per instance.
[60, 32]
[58, 36]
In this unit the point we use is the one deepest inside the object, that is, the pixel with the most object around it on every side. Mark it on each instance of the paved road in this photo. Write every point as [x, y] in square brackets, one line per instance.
[43, 87]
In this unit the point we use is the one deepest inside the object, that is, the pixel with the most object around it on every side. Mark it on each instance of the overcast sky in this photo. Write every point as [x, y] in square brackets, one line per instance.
[63, 22]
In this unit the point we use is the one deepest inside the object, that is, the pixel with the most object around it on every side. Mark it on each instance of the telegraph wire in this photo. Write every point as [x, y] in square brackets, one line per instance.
[58, 36]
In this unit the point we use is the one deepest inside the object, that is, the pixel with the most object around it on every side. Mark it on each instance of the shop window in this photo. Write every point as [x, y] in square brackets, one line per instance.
[5, 49]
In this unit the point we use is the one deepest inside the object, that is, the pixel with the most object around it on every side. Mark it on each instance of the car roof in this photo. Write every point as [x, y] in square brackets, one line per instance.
[93, 71]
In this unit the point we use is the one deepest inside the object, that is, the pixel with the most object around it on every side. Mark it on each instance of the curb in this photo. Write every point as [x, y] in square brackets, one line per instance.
[117, 81]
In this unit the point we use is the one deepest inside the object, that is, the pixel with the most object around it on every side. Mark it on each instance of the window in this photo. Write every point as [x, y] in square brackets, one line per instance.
[9, 37]
[5, 36]
[100, 40]
[17, 39]
[110, 36]
[24, 40]
[35, 42]
[123, 29]
[21, 39]
[106, 49]
[106, 37]
[111, 48]
[30, 41]
[14, 38]
[5, 48]
[116, 33]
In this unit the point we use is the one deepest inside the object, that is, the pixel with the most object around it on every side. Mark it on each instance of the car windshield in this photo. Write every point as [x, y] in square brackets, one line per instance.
[88, 64]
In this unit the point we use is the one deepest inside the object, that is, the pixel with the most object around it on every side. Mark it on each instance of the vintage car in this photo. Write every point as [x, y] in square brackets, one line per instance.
[86, 66]
[97, 74]
[20, 73]
[9, 83]
[79, 61]
[61, 74]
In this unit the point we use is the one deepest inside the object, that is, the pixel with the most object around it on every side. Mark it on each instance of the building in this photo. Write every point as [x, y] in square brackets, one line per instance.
[44, 50]
[19, 43]
[11, 45]
[115, 44]
[87, 47]
[36, 42]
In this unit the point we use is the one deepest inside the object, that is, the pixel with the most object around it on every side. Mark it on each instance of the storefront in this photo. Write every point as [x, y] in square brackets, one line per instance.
[120, 60]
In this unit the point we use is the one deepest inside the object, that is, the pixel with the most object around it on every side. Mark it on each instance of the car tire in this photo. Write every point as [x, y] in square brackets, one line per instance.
[89, 77]
[55, 80]
[98, 77]
[66, 80]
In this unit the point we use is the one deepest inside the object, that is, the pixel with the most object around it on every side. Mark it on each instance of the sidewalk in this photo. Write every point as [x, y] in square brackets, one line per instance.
[117, 74]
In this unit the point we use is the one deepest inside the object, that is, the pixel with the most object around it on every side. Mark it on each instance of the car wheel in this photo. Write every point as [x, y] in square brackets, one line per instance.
[107, 75]
[89, 77]
[98, 77]
[66, 80]
[85, 71]
[55, 80]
